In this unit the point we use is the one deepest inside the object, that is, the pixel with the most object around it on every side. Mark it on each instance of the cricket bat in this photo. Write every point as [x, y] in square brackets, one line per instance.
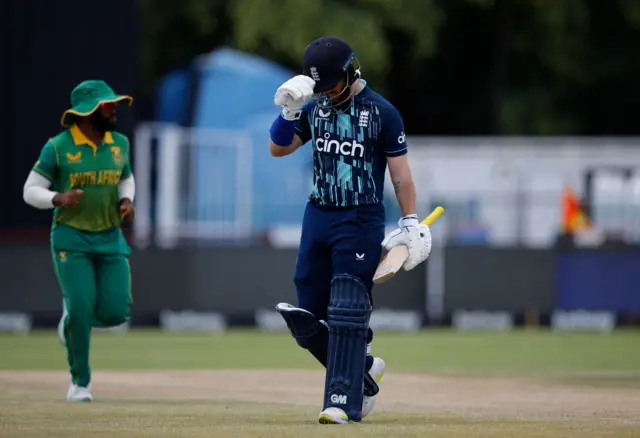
[397, 255]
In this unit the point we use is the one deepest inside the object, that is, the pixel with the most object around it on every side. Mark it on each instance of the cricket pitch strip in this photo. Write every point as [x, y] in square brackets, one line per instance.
[268, 403]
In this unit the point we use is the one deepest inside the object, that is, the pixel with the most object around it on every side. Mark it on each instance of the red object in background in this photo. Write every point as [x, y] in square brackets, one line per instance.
[573, 215]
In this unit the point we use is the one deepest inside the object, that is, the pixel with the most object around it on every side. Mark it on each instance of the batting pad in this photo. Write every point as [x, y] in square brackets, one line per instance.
[348, 317]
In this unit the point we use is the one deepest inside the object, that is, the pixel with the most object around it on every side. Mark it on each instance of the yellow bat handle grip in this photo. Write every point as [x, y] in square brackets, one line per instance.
[435, 214]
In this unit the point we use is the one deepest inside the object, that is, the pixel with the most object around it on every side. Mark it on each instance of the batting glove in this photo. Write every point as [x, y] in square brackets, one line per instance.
[402, 234]
[293, 94]
[419, 247]
[415, 236]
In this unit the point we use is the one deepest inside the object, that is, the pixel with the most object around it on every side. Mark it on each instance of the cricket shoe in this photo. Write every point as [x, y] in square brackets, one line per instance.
[61, 324]
[333, 416]
[79, 393]
[376, 371]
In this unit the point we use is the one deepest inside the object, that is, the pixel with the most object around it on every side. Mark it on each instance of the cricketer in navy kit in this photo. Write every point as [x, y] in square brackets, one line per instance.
[355, 134]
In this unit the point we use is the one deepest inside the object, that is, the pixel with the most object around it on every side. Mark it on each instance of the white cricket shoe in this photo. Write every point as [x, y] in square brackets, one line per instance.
[334, 416]
[376, 371]
[79, 393]
[61, 324]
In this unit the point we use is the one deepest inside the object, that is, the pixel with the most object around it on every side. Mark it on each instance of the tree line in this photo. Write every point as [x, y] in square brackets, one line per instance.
[453, 67]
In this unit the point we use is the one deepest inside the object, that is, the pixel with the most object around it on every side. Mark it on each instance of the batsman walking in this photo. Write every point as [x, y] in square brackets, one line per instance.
[355, 135]
[84, 174]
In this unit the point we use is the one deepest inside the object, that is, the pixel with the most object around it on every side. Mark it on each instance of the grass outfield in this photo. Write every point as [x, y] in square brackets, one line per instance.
[436, 351]
[439, 383]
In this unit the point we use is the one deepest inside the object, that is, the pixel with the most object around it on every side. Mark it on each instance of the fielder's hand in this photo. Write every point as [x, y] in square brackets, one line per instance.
[68, 199]
[127, 210]
[415, 236]
[293, 94]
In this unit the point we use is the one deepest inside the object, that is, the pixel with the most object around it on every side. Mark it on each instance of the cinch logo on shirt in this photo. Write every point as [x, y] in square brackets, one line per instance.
[347, 148]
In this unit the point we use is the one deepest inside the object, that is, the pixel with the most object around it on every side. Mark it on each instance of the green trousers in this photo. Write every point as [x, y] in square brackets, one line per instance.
[97, 293]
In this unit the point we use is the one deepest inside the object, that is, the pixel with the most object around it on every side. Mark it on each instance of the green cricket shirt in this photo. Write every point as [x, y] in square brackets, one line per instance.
[71, 161]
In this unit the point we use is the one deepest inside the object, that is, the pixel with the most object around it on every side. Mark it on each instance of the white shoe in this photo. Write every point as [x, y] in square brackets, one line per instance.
[61, 324]
[79, 393]
[334, 416]
[376, 371]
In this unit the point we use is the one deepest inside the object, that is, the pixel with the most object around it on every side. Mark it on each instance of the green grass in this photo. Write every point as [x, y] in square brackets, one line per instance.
[435, 351]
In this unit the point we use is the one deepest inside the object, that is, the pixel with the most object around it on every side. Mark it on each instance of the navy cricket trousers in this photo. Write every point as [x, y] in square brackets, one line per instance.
[337, 241]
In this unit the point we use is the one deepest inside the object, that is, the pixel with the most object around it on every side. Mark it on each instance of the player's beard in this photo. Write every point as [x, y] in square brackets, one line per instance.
[339, 103]
[101, 123]
[342, 102]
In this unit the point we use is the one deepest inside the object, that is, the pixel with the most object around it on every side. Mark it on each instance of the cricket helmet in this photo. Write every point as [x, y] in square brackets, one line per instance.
[328, 60]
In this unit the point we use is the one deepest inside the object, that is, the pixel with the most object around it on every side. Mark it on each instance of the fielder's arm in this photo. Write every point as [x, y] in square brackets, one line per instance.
[127, 188]
[127, 184]
[36, 192]
[402, 180]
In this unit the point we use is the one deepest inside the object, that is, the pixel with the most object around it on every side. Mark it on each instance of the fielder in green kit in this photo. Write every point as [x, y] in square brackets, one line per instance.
[84, 174]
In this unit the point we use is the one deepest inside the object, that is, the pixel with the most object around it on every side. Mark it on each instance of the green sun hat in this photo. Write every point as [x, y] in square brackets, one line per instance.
[87, 96]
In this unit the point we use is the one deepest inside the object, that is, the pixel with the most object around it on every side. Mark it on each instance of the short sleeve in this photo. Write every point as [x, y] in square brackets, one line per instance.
[47, 164]
[392, 134]
[126, 170]
[303, 126]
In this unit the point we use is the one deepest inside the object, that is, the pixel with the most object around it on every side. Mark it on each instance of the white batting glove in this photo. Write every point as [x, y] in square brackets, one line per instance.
[401, 235]
[419, 247]
[293, 94]
[415, 236]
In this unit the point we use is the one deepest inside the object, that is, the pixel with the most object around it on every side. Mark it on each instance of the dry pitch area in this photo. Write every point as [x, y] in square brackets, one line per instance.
[438, 384]
[286, 403]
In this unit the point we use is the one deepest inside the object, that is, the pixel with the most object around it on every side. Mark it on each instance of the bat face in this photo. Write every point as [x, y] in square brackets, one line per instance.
[391, 264]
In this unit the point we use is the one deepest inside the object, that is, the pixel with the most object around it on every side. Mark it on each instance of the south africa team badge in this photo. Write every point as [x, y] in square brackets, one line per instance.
[115, 151]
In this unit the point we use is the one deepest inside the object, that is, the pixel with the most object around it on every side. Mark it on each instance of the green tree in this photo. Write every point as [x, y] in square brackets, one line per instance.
[541, 67]
[549, 52]
[281, 29]
[173, 32]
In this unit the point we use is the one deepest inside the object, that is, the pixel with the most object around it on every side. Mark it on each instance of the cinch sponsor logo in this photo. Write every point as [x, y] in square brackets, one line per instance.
[347, 148]
[402, 138]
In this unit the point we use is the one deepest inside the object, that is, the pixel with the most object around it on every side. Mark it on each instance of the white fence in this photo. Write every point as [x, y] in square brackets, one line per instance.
[510, 187]
[203, 183]
[518, 182]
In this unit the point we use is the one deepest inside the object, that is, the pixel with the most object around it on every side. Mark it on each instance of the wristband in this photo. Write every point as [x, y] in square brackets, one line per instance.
[282, 131]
